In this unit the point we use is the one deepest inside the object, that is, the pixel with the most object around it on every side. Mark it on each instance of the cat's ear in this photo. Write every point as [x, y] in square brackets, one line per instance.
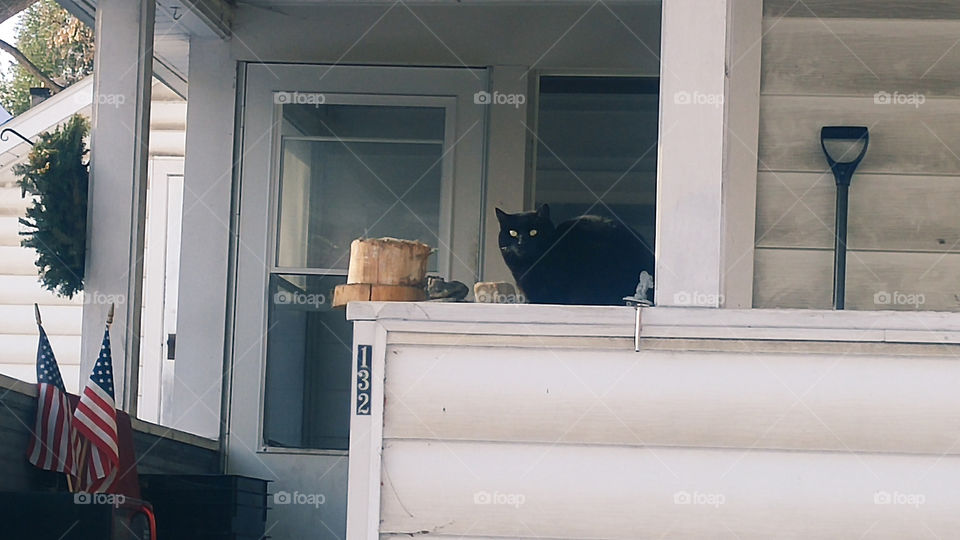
[501, 215]
[544, 212]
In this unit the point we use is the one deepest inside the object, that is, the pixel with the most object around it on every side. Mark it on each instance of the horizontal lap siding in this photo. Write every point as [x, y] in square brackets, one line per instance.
[808, 56]
[893, 9]
[904, 230]
[903, 139]
[609, 492]
[599, 442]
[668, 398]
[875, 279]
[887, 212]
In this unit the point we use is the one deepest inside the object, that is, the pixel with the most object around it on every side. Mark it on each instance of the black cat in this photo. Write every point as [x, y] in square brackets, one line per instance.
[585, 260]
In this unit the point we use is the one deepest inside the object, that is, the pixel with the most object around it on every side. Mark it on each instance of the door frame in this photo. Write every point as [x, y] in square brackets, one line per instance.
[164, 200]
[258, 179]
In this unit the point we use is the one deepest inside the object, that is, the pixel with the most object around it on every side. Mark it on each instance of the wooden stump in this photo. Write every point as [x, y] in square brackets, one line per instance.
[388, 261]
[386, 270]
[363, 292]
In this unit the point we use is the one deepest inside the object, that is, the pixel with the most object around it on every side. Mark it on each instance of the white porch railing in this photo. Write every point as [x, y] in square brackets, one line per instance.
[541, 421]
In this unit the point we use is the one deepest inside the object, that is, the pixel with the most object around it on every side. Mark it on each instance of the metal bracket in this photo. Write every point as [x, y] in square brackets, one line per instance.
[638, 301]
[636, 331]
[4, 135]
[638, 306]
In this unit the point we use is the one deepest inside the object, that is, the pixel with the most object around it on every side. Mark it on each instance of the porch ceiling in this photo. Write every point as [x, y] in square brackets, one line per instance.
[176, 22]
[865, 9]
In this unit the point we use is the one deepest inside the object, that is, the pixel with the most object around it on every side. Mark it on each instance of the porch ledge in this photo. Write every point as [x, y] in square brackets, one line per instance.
[664, 322]
[10, 384]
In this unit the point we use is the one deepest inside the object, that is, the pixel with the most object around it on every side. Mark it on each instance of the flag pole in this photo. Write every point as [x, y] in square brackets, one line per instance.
[36, 315]
[85, 443]
[70, 486]
[82, 463]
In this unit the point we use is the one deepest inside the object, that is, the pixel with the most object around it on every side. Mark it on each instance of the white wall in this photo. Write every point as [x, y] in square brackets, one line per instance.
[789, 431]
[904, 230]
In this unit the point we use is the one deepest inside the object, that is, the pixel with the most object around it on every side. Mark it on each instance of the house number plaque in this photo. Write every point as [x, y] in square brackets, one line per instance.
[364, 352]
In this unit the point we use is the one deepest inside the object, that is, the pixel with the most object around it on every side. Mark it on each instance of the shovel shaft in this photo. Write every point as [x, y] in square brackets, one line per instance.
[843, 174]
[840, 248]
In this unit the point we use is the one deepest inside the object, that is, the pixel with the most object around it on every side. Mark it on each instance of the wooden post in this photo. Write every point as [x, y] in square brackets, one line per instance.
[119, 142]
[706, 182]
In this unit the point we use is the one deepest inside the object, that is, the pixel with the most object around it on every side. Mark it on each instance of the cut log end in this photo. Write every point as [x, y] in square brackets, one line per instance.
[370, 292]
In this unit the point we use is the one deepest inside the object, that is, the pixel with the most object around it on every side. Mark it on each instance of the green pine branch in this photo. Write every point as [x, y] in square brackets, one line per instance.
[57, 175]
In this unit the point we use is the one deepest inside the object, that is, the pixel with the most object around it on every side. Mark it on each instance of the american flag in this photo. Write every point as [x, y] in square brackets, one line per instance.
[95, 420]
[53, 443]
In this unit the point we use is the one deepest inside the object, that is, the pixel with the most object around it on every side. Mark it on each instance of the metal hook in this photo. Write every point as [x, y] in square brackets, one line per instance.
[4, 135]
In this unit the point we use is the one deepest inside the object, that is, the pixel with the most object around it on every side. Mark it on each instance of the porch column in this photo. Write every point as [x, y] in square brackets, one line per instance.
[117, 195]
[706, 182]
[204, 285]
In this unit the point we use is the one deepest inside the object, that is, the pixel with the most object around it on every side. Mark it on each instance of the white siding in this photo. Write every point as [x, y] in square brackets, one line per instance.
[902, 221]
[775, 427]
[673, 397]
[610, 492]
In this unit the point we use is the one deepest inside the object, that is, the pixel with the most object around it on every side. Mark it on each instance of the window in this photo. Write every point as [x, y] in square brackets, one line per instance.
[345, 170]
[597, 149]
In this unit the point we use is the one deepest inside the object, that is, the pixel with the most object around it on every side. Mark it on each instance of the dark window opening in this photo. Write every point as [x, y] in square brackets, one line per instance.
[597, 149]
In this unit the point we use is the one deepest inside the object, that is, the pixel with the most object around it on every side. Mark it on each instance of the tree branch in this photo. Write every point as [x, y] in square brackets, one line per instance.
[30, 66]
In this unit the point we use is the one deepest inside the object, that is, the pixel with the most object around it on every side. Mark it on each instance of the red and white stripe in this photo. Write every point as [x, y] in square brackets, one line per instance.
[96, 420]
[53, 442]
[90, 483]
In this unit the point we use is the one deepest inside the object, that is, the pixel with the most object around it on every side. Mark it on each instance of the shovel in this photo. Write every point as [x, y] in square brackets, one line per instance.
[842, 173]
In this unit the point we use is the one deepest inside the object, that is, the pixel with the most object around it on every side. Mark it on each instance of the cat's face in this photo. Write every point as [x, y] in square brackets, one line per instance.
[526, 235]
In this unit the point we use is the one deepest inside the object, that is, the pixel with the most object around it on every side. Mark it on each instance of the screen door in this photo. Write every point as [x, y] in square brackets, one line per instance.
[329, 154]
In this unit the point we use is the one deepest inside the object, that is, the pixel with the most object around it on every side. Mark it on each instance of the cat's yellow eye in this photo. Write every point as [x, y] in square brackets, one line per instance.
[514, 233]
[533, 232]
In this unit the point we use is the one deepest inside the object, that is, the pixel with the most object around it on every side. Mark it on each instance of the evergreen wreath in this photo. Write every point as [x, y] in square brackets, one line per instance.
[57, 176]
